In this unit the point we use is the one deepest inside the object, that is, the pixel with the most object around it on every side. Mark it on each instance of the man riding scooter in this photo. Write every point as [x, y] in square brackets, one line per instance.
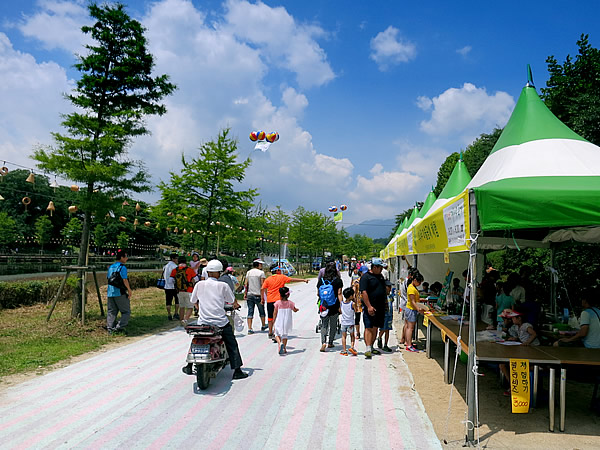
[212, 296]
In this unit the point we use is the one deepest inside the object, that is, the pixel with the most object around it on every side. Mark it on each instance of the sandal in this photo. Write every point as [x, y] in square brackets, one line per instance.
[323, 347]
[344, 353]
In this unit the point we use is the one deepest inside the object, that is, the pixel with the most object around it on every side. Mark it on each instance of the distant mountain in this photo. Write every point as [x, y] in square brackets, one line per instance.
[375, 229]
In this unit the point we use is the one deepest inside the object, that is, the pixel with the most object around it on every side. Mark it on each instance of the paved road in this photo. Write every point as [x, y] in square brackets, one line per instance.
[137, 397]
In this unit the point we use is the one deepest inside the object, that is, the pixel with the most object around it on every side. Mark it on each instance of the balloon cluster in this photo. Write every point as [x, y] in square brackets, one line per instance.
[335, 208]
[261, 136]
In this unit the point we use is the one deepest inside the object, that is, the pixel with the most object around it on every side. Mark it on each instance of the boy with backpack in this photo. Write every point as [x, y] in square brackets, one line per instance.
[185, 278]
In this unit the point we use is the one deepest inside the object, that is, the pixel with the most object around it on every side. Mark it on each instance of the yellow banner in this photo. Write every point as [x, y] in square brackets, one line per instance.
[520, 386]
[402, 246]
[447, 229]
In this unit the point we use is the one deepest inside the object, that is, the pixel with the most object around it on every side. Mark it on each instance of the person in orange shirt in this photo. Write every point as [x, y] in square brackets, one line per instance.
[270, 287]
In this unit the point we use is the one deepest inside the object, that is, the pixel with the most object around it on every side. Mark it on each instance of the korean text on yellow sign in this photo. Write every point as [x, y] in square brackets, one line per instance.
[520, 387]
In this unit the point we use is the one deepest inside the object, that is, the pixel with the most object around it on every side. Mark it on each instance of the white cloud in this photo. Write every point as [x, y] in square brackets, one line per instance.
[420, 160]
[388, 50]
[31, 103]
[283, 42]
[380, 195]
[464, 51]
[220, 64]
[57, 25]
[424, 103]
[468, 110]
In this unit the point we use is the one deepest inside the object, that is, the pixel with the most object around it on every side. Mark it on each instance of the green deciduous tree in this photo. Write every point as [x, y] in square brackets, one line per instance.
[72, 230]
[43, 230]
[115, 93]
[100, 235]
[8, 229]
[205, 190]
[573, 90]
[123, 240]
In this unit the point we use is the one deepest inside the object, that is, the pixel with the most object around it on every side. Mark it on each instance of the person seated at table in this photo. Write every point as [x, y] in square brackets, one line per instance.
[589, 333]
[526, 334]
[424, 291]
[435, 289]
[508, 327]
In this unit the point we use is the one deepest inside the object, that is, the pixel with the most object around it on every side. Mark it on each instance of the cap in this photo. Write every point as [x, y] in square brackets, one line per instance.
[229, 269]
[353, 259]
[258, 260]
[377, 262]
[364, 269]
[388, 283]
[508, 313]
[214, 265]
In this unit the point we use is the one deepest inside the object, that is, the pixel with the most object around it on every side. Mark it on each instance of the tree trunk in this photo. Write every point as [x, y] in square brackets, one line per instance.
[81, 261]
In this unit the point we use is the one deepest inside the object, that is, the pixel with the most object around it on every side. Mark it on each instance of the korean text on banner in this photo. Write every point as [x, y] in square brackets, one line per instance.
[454, 220]
[519, 385]
[446, 229]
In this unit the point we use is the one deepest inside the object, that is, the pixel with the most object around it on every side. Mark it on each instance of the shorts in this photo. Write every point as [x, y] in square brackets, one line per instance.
[388, 321]
[357, 318]
[170, 295]
[184, 299]
[270, 310]
[252, 300]
[375, 321]
[410, 315]
[347, 328]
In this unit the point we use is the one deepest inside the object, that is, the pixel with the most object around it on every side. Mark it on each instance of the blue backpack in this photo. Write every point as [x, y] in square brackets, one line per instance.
[326, 293]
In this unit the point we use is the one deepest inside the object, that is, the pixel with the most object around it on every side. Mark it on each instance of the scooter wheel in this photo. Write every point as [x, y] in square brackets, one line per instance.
[202, 376]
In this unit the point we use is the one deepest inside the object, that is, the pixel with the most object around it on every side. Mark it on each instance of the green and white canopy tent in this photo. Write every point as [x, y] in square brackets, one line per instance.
[540, 184]
[540, 176]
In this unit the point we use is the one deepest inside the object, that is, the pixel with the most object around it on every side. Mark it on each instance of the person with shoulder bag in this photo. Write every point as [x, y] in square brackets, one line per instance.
[118, 295]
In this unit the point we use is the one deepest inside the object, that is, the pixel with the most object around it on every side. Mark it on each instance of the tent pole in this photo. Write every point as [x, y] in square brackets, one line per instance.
[553, 306]
[471, 400]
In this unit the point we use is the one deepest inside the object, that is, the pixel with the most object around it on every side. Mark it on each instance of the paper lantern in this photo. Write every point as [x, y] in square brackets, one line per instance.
[74, 188]
[138, 207]
[26, 201]
[136, 223]
[176, 230]
[3, 171]
[169, 214]
[185, 231]
[72, 209]
[147, 224]
[51, 208]
[123, 219]
[31, 178]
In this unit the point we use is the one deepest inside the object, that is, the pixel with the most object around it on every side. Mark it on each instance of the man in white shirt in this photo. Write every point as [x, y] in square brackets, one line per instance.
[254, 282]
[211, 311]
[170, 291]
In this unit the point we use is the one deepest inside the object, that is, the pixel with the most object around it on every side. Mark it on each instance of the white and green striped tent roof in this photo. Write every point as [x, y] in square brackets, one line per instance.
[540, 174]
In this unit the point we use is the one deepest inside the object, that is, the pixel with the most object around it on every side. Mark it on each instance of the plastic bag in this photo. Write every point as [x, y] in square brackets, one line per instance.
[238, 322]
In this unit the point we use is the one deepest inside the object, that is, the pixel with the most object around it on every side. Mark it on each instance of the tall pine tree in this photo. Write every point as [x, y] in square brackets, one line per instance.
[115, 93]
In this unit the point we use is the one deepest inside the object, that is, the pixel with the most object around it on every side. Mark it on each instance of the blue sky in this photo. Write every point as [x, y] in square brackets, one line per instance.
[368, 97]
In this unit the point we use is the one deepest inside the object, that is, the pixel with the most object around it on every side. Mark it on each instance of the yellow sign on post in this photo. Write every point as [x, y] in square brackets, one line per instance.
[520, 387]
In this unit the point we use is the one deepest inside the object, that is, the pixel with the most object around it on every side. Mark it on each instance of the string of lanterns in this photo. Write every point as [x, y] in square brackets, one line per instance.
[72, 209]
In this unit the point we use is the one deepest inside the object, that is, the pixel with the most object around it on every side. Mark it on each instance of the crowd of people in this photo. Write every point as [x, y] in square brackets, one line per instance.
[202, 287]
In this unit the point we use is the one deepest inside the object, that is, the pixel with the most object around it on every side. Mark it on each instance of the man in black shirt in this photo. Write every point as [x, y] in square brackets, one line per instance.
[372, 290]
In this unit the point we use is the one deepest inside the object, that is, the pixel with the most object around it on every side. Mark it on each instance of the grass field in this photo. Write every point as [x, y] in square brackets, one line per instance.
[29, 343]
